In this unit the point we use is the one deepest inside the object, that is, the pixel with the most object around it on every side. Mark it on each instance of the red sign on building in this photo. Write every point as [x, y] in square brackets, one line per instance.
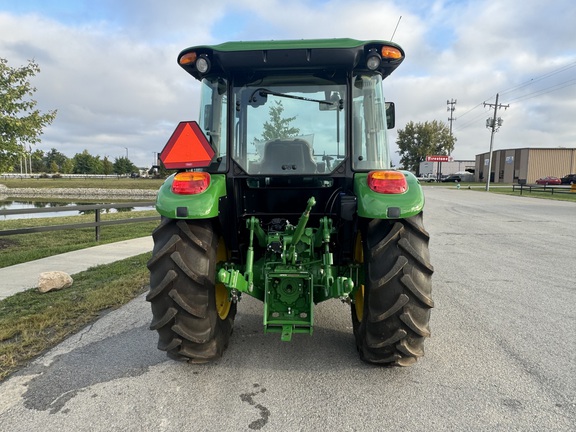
[439, 158]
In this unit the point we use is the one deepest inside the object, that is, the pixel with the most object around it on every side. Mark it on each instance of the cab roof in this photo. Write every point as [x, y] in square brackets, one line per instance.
[249, 57]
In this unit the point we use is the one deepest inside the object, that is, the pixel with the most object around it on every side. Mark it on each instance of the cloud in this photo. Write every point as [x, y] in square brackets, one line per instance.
[110, 90]
[111, 71]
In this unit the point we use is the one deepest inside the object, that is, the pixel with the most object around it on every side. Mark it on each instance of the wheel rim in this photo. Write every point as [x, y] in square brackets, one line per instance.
[223, 302]
[222, 296]
[359, 303]
[359, 295]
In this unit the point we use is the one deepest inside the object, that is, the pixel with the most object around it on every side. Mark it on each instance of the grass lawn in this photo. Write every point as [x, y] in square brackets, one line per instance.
[506, 189]
[31, 322]
[16, 249]
[536, 193]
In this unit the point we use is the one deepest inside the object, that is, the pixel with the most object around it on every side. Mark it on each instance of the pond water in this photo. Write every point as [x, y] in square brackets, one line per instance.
[14, 204]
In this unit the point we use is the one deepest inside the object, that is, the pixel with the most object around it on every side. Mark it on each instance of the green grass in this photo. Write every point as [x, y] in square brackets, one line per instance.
[540, 194]
[31, 322]
[114, 183]
[16, 249]
[506, 189]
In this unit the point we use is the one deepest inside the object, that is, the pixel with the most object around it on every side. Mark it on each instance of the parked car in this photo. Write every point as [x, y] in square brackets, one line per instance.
[452, 178]
[549, 180]
[568, 179]
[427, 178]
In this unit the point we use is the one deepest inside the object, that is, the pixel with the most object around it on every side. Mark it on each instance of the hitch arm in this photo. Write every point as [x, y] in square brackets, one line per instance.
[300, 230]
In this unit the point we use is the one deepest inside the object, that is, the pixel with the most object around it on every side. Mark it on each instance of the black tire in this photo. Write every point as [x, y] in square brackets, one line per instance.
[391, 310]
[192, 314]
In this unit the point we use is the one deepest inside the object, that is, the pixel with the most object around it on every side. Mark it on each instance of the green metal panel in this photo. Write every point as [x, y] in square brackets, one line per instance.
[375, 205]
[291, 44]
[200, 206]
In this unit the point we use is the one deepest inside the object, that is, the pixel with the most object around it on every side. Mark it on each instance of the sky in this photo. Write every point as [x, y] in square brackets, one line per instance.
[109, 67]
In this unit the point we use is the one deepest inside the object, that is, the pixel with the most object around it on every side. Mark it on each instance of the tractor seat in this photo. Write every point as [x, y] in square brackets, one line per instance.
[288, 157]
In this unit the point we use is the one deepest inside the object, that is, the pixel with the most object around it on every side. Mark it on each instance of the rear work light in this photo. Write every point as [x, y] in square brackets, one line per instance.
[387, 182]
[200, 61]
[203, 65]
[190, 182]
[373, 60]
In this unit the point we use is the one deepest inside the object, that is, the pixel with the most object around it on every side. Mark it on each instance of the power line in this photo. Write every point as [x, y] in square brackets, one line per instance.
[536, 93]
[471, 121]
[535, 80]
[545, 90]
[471, 109]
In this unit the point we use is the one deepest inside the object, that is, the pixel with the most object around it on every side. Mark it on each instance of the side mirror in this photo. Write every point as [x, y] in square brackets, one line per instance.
[390, 115]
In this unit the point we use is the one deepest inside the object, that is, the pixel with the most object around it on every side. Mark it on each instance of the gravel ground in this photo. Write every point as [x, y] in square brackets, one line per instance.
[74, 192]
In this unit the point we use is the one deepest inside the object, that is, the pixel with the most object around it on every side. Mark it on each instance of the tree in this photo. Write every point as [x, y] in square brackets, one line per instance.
[418, 140]
[54, 157]
[38, 165]
[20, 122]
[85, 163]
[107, 166]
[278, 127]
[67, 166]
[123, 165]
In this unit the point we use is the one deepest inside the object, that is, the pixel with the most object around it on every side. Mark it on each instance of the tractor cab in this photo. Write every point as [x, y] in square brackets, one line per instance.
[297, 109]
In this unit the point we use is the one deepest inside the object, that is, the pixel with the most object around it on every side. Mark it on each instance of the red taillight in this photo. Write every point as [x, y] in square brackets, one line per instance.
[190, 183]
[387, 182]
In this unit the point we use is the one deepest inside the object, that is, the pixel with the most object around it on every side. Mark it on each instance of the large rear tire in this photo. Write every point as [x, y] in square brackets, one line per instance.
[391, 310]
[192, 314]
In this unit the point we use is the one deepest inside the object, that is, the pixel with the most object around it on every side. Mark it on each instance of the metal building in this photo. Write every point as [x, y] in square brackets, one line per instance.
[445, 168]
[509, 166]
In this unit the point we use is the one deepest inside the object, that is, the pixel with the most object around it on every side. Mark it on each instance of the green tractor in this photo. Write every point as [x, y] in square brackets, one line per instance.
[284, 192]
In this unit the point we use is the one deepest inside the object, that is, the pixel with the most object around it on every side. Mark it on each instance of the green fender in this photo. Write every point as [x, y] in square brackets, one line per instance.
[375, 205]
[199, 206]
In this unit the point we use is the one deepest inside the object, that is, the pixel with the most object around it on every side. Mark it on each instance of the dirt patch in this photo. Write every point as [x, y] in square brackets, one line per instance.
[7, 243]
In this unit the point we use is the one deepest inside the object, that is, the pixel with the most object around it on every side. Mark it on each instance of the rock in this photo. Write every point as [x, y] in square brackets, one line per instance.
[54, 280]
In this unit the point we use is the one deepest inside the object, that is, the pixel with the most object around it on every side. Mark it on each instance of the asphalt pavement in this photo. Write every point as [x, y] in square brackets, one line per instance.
[501, 356]
[21, 277]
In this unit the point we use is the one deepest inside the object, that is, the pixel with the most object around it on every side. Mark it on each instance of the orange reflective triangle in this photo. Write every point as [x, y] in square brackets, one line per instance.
[187, 148]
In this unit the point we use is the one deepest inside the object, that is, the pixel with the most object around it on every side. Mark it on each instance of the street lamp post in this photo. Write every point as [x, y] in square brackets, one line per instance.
[126, 152]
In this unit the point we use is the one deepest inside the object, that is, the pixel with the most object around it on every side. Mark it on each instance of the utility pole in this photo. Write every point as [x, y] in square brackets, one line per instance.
[494, 124]
[451, 109]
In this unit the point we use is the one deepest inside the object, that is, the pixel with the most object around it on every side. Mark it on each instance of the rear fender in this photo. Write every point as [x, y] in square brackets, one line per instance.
[376, 205]
[198, 206]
